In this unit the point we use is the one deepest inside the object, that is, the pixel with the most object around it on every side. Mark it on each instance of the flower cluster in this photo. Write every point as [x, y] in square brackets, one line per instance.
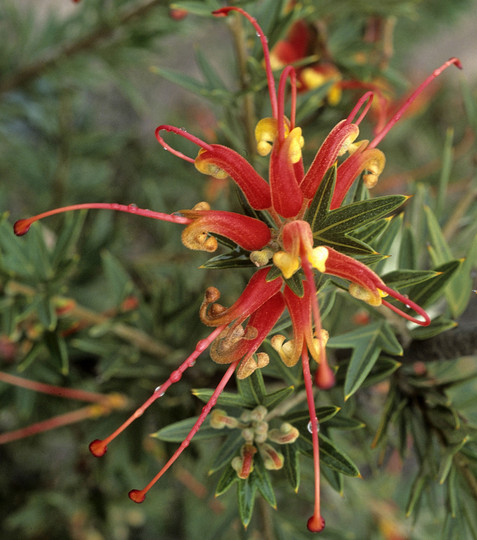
[301, 227]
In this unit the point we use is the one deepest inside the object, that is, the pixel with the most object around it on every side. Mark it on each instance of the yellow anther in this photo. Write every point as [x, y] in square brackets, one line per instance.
[312, 78]
[317, 257]
[206, 166]
[295, 145]
[374, 167]
[266, 132]
[373, 298]
[288, 264]
[334, 95]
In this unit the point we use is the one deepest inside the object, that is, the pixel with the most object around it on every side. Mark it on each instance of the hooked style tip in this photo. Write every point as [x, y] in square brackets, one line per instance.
[457, 63]
[137, 495]
[315, 524]
[98, 448]
[222, 12]
[21, 227]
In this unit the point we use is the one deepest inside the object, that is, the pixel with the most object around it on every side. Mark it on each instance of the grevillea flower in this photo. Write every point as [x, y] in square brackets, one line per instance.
[285, 244]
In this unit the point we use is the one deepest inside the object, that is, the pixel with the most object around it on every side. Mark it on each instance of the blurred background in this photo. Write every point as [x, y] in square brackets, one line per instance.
[83, 85]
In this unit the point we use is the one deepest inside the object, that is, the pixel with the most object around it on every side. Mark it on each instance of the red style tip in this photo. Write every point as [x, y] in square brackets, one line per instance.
[137, 495]
[315, 524]
[98, 448]
[324, 377]
[21, 227]
[457, 63]
[223, 12]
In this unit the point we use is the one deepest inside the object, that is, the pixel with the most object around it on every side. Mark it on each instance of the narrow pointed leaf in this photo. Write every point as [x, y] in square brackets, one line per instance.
[229, 449]
[228, 478]
[246, 491]
[178, 431]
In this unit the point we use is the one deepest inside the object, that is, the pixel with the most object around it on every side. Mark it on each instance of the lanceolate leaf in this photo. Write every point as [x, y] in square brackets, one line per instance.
[332, 457]
[178, 431]
[228, 450]
[355, 215]
[406, 278]
[262, 478]
[229, 260]
[246, 491]
[252, 388]
[228, 478]
[226, 398]
[320, 204]
[367, 344]
[291, 465]
[425, 293]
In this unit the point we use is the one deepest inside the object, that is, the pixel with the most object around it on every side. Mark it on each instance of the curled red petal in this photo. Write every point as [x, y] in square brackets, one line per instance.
[352, 167]
[261, 322]
[325, 157]
[345, 267]
[254, 187]
[249, 233]
[287, 198]
[255, 294]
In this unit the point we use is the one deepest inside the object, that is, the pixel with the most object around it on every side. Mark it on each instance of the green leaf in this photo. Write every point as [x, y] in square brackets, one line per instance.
[416, 492]
[372, 231]
[407, 278]
[291, 465]
[263, 482]
[300, 419]
[119, 282]
[333, 458]
[442, 250]
[57, 348]
[334, 478]
[271, 400]
[426, 293]
[344, 422]
[233, 259]
[246, 492]
[230, 399]
[407, 249]
[448, 458]
[367, 344]
[320, 204]
[69, 233]
[228, 478]
[252, 389]
[227, 450]
[295, 283]
[192, 85]
[352, 216]
[178, 431]
[438, 325]
[208, 71]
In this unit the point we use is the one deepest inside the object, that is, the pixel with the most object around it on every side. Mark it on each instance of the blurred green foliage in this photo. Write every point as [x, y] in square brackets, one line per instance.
[81, 93]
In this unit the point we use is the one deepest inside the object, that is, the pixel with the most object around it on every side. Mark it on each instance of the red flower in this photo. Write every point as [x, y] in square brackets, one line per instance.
[283, 246]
